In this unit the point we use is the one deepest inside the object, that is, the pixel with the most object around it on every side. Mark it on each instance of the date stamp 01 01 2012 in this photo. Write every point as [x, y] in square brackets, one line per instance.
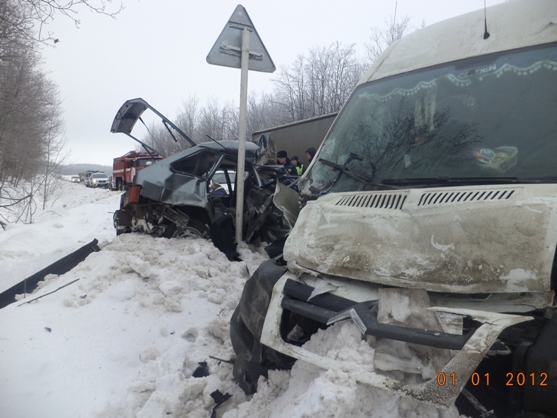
[512, 379]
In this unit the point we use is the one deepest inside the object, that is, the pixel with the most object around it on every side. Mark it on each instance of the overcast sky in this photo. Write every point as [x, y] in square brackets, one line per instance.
[157, 49]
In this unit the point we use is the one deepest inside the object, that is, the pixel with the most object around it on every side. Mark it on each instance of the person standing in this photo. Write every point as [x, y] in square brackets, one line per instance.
[288, 178]
[297, 165]
[282, 157]
[310, 153]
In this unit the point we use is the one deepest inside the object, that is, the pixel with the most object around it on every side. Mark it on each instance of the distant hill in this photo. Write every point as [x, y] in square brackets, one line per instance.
[81, 168]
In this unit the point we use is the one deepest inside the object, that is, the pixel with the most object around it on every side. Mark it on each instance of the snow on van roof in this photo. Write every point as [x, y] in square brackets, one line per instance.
[511, 25]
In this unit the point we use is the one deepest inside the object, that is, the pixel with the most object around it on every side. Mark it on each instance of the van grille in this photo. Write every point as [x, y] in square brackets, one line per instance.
[396, 200]
[439, 198]
[374, 201]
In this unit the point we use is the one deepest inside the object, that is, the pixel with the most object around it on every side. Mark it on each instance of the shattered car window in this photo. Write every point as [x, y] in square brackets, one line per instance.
[197, 164]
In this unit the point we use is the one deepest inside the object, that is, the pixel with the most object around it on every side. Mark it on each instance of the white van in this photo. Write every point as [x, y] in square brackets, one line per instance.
[430, 221]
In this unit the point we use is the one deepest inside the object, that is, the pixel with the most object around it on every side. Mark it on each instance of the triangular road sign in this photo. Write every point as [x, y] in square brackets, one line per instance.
[227, 50]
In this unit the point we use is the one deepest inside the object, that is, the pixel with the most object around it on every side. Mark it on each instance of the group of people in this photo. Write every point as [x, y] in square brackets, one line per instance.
[292, 165]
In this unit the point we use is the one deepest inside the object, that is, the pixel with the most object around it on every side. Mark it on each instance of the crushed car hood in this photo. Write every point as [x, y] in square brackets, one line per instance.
[432, 238]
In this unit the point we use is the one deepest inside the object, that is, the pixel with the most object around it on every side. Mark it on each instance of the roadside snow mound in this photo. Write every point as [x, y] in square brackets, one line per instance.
[126, 335]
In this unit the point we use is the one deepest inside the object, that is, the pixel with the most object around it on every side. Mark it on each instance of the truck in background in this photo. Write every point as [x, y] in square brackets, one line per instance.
[430, 223]
[84, 176]
[126, 167]
[297, 137]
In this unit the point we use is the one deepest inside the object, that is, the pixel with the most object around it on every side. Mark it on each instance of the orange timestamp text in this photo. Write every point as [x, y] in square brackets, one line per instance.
[512, 379]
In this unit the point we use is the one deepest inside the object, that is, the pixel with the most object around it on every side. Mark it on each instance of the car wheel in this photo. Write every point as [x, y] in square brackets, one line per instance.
[195, 229]
[122, 221]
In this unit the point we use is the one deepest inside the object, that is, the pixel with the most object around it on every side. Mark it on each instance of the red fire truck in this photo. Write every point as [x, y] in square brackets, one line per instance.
[125, 167]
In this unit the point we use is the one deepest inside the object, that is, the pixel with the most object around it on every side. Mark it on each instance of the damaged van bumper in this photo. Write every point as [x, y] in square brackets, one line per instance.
[467, 349]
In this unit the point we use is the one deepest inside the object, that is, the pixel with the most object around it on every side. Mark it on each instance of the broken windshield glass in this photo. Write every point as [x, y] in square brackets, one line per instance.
[368, 183]
[494, 118]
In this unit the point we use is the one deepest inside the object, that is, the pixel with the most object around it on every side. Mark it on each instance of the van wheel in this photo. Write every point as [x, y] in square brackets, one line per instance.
[254, 359]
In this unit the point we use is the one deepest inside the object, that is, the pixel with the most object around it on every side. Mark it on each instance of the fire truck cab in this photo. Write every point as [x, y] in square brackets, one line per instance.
[126, 167]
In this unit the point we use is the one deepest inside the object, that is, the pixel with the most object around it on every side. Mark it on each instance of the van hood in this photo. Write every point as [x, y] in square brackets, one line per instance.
[481, 239]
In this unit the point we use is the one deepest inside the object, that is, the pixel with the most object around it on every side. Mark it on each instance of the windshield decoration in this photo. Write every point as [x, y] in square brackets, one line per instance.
[500, 159]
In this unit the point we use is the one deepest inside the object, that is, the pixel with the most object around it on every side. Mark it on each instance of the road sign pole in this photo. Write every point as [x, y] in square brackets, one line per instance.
[232, 50]
[242, 135]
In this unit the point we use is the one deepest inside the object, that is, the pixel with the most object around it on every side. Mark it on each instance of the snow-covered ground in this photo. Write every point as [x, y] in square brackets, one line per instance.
[124, 339]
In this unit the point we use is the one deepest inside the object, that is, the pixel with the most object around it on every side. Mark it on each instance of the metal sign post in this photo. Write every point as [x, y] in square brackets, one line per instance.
[242, 135]
[232, 49]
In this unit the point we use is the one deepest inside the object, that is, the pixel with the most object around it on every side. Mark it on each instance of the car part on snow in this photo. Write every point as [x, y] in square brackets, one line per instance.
[202, 370]
[61, 266]
[49, 293]
[219, 399]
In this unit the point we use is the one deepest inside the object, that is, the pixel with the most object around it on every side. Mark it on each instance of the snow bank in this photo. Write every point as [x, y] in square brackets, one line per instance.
[125, 338]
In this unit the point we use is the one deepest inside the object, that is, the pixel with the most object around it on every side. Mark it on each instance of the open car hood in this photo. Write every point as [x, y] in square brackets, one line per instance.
[130, 112]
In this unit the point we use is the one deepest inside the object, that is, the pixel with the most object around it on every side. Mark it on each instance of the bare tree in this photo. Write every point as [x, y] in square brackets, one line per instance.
[290, 90]
[55, 154]
[319, 83]
[15, 29]
[217, 122]
[187, 119]
[381, 38]
[263, 112]
[38, 13]
[30, 120]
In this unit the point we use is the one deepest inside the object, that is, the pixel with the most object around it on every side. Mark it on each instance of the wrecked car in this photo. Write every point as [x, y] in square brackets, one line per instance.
[430, 222]
[176, 197]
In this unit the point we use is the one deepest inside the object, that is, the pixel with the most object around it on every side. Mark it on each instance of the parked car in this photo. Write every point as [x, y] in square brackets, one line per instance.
[88, 175]
[111, 185]
[74, 179]
[98, 180]
[173, 198]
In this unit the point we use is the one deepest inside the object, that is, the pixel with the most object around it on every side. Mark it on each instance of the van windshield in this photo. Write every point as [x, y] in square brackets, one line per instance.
[486, 118]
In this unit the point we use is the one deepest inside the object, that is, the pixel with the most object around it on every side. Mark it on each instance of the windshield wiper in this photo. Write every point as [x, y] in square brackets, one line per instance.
[343, 169]
[431, 181]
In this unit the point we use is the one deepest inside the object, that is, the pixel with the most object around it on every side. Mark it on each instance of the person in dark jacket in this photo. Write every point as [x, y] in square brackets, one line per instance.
[217, 190]
[290, 174]
[282, 157]
[297, 165]
[310, 153]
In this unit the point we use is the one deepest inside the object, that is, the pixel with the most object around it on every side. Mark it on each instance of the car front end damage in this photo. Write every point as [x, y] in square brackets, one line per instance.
[445, 319]
[176, 192]
[143, 215]
[481, 331]
[193, 192]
